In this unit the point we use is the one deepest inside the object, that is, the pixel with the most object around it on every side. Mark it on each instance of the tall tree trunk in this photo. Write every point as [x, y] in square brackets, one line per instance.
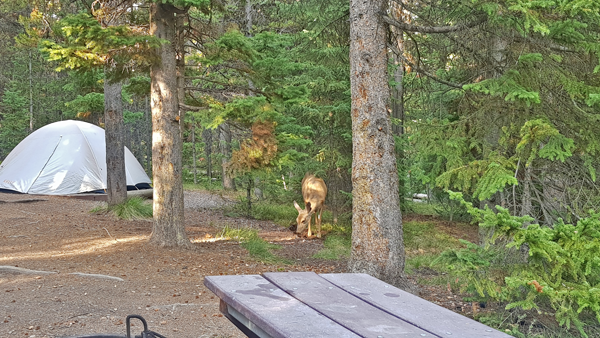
[249, 195]
[248, 9]
[225, 145]
[148, 129]
[398, 97]
[30, 94]
[377, 245]
[168, 226]
[180, 64]
[207, 134]
[116, 181]
[194, 149]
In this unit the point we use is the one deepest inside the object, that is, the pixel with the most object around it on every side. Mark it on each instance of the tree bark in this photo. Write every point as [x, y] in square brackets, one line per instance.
[180, 64]
[377, 245]
[248, 9]
[148, 133]
[194, 149]
[225, 145]
[207, 134]
[168, 226]
[116, 181]
[30, 94]
[526, 206]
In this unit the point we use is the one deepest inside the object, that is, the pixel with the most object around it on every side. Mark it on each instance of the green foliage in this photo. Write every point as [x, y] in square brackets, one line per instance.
[508, 86]
[335, 247]
[14, 121]
[486, 177]
[138, 86]
[425, 238]
[86, 45]
[129, 117]
[539, 138]
[560, 274]
[84, 105]
[530, 77]
[289, 71]
[282, 214]
[257, 247]
[135, 208]
[423, 243]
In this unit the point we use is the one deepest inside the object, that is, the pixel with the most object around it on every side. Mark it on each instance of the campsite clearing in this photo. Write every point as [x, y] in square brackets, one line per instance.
[103, 269]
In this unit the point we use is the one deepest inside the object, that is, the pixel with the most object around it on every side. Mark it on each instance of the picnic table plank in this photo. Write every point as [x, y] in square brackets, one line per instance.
[349, 311]
[274, 312]
[415, 310]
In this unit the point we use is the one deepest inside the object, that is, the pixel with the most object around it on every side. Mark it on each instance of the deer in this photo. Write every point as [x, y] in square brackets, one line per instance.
[314, 191]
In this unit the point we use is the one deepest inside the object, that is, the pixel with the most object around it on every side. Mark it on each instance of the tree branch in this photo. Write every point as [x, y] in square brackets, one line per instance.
[190, 108]
[422, 71]
[226, 85]
[430, 29]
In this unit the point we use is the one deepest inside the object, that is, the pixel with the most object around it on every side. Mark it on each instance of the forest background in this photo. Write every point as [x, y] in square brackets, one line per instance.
[498, 100]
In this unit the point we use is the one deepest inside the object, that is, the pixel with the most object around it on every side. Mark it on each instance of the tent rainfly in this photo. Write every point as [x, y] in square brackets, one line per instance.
[63, 158]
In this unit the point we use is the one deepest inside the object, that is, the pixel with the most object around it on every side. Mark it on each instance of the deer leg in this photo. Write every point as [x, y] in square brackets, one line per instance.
[318, 221]
[309, 233]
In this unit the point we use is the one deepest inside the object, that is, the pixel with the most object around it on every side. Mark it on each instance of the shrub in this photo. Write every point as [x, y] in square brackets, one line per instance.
[560, 272]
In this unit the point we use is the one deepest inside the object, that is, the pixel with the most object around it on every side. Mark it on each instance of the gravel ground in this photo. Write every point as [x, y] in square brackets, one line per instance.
[66, 272]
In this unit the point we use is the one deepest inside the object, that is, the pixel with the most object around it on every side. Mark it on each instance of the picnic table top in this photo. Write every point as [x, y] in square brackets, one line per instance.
[304, 304]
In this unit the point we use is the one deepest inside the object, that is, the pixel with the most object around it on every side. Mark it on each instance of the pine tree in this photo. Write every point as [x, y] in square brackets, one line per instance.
[377, 243]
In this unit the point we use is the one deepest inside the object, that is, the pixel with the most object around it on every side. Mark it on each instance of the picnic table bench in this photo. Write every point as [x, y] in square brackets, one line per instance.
[305, 304]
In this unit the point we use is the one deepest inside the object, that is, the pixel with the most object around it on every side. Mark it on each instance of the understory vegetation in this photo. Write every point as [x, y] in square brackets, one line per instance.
[498, 100]
[528, 280]
[257, 247]
[134, 208]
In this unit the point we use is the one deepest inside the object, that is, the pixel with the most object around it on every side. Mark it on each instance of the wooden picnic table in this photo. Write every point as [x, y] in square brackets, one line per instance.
[304, 304]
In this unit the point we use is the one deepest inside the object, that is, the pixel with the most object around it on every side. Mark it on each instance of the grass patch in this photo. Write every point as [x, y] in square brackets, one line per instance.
[423, 243]
[257, 247]
[282, 214]
[336, 246]
[135, 208]
[422, 237]
[204, 185]
[279, 213]
[421, 208]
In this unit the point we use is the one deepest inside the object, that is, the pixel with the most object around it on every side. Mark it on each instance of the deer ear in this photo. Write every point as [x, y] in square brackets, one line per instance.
[297, 206]
[308, 207]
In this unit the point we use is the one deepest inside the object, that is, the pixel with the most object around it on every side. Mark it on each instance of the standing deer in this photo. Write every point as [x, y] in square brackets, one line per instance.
[314, 191]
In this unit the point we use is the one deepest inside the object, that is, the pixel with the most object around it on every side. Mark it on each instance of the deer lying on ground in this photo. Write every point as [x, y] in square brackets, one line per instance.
[314, 191]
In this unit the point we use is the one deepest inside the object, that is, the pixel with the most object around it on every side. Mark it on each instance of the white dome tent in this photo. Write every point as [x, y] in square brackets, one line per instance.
[64, 158]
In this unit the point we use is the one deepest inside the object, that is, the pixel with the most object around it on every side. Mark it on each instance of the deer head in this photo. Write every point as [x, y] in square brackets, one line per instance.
[303, 217]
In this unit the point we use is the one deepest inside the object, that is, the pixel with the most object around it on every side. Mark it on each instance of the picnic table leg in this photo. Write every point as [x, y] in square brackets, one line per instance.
[241, 322]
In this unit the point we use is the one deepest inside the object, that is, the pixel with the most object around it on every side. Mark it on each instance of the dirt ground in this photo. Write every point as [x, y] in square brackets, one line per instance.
[65, 271]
